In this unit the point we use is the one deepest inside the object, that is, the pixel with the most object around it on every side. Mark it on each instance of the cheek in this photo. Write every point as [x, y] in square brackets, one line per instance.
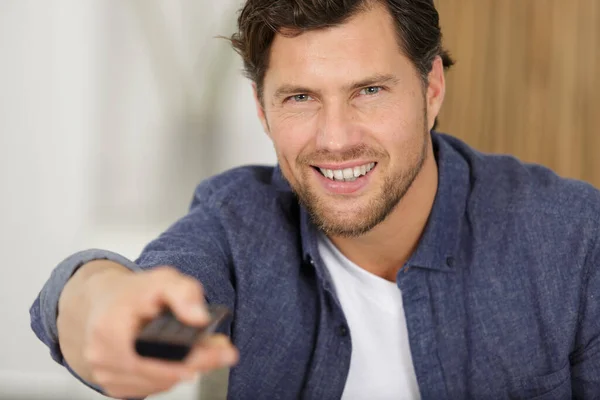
[398, 129]
[396, 123]
[292, 133]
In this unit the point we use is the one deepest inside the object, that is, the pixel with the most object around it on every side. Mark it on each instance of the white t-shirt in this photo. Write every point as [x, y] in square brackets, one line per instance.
[381, 366]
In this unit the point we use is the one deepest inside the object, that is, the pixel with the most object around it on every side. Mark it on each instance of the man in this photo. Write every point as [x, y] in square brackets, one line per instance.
[379, 259]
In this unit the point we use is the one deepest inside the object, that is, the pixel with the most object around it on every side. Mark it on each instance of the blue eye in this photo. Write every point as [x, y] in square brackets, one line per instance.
[300, 98]
[371, 90]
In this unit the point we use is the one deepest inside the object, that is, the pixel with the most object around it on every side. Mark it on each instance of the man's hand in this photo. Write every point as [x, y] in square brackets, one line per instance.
[102, 310]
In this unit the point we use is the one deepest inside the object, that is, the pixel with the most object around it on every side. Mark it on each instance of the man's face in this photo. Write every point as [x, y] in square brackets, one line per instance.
[349, 119]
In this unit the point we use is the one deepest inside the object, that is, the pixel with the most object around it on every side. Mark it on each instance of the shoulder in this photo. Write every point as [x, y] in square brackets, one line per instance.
[508, 190]
[249, 192]
[248, 183]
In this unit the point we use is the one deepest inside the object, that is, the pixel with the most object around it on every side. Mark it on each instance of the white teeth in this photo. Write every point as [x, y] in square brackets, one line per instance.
[348, 174]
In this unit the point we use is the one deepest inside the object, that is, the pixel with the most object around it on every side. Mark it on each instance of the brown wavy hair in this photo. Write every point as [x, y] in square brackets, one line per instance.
[417, 25]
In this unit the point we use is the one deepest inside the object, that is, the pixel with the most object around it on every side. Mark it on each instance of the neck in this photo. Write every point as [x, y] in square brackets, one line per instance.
[386, 248]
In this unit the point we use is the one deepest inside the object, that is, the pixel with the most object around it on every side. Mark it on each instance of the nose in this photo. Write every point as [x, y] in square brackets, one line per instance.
[337, 130]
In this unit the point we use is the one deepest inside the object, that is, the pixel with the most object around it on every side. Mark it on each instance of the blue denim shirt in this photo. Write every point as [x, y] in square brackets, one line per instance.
[501, 296]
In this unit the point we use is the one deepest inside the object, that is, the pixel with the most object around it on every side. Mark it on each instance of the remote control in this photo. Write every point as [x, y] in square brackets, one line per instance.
[167, 338]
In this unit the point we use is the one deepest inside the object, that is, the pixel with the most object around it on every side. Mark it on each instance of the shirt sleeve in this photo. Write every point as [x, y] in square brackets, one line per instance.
[585, 361]
[44, 310]
[196, 245]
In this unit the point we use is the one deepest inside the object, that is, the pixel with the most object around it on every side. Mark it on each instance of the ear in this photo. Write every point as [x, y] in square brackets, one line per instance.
[436, 91]
[260, 110]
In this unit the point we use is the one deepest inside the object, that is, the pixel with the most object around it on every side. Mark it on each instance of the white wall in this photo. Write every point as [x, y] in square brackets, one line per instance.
[45, 110]
[90, 144]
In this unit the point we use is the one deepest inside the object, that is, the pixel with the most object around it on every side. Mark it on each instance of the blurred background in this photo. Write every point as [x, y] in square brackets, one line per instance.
[112, 111]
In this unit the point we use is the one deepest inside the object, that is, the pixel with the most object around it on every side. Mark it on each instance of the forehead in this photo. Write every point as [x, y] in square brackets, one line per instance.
[366, 44]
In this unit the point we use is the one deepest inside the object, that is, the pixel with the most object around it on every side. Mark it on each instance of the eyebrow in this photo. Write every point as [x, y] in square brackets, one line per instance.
[378, 79]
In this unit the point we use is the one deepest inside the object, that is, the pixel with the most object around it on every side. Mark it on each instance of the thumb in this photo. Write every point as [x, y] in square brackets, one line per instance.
[185, 297]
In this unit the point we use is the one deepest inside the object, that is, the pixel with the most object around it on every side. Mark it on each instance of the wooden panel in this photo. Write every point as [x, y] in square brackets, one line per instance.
[527, 80]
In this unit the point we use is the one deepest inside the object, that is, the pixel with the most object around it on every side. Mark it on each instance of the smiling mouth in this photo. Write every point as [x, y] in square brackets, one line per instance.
[346, 174]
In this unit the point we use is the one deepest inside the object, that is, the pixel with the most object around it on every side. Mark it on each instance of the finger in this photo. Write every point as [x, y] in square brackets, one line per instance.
[122, 385]
[212, 353]
[155, 369]
[184, 295]
[118, 359]
[144, 299]
[150, 303]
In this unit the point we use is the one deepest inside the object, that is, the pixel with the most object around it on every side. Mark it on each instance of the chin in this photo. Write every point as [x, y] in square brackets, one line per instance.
[352, 222]
[345, 229]
[340, 215]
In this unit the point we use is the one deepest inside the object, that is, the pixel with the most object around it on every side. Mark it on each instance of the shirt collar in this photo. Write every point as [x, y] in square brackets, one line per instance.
[440, 240]
[308, 231]
[439, 243]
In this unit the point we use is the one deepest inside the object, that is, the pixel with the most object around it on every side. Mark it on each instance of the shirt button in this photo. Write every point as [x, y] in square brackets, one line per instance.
[342, 330]
[450, 262]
